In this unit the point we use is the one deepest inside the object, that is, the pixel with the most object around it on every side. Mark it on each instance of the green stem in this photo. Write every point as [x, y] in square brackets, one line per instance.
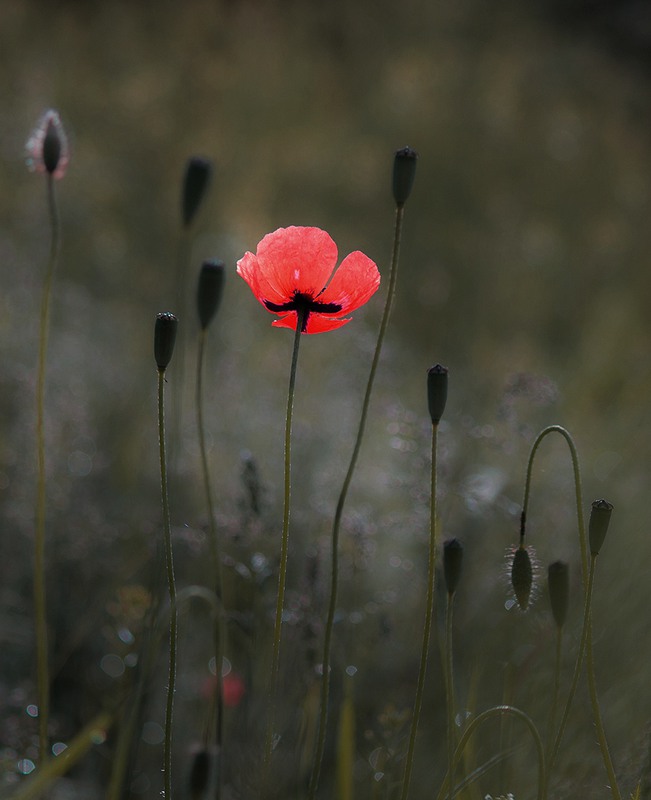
[334, 576]
[448, 783]
[557, 688]
[219, 632]
[427, 629]
[40, 598]
[577, 673]
[284, 550]
[171, 586]
[596, 713]
[449, 686]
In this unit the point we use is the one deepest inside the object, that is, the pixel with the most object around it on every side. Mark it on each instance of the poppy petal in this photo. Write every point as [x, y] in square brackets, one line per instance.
[354, 282]
[296, 259]
[248, 267]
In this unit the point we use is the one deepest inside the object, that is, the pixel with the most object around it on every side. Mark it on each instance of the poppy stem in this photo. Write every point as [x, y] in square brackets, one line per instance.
[427, 629]
[284, 549]
[40, 598]
[171, 585]
[219, 632]
[334, 577]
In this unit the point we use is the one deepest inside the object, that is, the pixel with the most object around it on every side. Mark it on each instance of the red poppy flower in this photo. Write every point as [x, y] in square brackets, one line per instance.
[293, 270]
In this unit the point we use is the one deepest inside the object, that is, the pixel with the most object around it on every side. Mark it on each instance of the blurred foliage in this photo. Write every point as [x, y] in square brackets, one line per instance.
[524, 270]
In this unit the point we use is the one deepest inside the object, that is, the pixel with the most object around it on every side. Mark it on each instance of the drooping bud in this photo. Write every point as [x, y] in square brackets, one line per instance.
[198, 172]
[452, 562]
[209, 290]
[522, 576]
[437, 392]
[164, 338]
[404, 172]
[598, 525]
[47, 147]
[558, 582]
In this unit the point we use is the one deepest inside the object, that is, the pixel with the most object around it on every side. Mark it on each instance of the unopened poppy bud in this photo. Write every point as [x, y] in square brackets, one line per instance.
[209, 290]
[452, 561]
[558, 582]
[598, 525]
[522, 577]
[164, 338]
[198, 172]
[437, 392]
[200, 774]
[47, 147]
[404, 172]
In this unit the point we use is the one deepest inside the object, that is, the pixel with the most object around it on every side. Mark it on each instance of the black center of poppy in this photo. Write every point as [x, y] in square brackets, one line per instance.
[305, 303]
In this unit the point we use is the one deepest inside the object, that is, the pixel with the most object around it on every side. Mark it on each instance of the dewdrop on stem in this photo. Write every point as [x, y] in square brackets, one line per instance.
[437, 392]
[404, 172]
[452, 562]
[47, 147]
[164, 338]
[209, 291]
[198, 172]
[598, 525]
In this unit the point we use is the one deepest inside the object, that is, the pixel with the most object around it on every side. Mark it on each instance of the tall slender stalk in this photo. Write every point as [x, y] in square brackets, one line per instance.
[334, 573]
[449, 685]
[427, 628]
[164, 339]
[219, 632]
[284, 550]
[40, 597]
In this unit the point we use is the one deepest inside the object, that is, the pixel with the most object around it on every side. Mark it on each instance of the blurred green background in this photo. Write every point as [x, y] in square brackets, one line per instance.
[524, 269]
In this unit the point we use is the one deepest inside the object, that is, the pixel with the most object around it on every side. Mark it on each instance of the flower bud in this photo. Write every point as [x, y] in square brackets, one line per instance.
[164, 338]
[198, 172]
[209, 290]
[522, 576]
[47, 147]
[437, 392]
[558, 582]
[404, 172]
[452, 561]
[598, 525]
[200, 774]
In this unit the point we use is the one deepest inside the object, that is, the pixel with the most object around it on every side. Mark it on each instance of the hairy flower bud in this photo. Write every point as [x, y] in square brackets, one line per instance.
[522, 577]
[198, 172]
[209, 290]
[437, 392]
[452, 561]
[404, 172]
[164, 338]
[598, 525]
[47, 147]
[558, 582]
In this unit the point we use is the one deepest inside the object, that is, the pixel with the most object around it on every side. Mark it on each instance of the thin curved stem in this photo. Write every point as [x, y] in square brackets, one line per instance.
[40, 597]
[336, 525]
[577, 491]
[284, 550]
[427, 628]
[219, 632]
[171, 587]
[447, 786]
